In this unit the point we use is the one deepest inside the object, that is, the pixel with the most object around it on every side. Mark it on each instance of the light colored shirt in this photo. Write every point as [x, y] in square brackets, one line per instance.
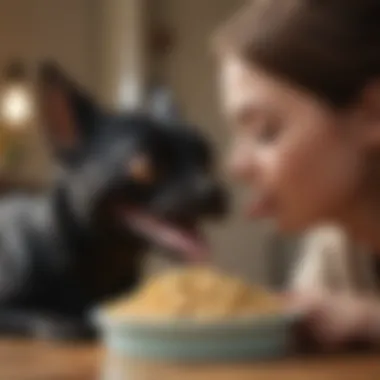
[329, 260]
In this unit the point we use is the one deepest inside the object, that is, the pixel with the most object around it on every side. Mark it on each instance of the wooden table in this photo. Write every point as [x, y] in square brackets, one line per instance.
[43, 361]
[28, 360]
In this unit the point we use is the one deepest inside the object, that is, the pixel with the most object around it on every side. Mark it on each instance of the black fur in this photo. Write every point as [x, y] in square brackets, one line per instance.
[66, 251]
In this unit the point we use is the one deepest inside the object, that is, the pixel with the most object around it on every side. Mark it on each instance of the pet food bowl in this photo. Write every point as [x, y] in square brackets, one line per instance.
[259, 336]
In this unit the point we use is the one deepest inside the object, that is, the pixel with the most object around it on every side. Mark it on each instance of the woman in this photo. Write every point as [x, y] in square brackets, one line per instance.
[300, 84]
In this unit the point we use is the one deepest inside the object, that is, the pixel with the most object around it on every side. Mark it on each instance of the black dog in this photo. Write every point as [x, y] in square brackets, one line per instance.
[126, 182]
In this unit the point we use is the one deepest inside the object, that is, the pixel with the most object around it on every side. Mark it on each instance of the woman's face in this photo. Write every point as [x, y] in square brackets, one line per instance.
[301, 159]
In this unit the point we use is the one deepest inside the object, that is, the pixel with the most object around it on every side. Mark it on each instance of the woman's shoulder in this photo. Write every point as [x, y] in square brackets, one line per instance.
[324, 260]
[326, 236]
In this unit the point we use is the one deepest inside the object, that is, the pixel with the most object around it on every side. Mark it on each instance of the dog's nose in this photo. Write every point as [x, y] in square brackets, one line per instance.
[196, 199]
[217, 204]
[213, 198]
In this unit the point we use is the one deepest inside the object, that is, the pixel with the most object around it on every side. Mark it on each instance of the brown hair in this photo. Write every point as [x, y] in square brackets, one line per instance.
[329, 47]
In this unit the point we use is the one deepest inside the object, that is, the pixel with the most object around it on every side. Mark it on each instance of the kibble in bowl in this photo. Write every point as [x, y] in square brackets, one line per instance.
[195, 293]
[197, 314]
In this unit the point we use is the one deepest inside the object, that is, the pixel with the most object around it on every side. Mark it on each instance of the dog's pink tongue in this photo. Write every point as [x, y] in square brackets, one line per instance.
[191, 246]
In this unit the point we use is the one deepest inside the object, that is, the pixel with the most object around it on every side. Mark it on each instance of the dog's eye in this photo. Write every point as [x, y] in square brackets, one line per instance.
[141, 169]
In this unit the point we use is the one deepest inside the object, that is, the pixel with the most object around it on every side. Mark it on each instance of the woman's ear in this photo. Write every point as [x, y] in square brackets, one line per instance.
[370, 111]
[69, 116]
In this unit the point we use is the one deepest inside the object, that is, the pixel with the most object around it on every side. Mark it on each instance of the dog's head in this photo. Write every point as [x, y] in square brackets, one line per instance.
[130, 175]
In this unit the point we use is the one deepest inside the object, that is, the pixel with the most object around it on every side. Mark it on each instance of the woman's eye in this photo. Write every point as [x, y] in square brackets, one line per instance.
[268, 132]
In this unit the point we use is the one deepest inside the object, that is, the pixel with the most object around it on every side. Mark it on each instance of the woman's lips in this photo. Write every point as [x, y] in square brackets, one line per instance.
[261, 207]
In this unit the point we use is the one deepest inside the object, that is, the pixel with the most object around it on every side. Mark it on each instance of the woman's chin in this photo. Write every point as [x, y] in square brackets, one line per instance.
[295, 225]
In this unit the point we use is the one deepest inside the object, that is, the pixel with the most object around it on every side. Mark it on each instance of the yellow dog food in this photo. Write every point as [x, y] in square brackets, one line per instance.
[196, 293]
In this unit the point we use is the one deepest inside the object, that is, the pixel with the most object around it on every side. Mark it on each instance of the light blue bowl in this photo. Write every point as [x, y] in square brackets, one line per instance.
[189, 340]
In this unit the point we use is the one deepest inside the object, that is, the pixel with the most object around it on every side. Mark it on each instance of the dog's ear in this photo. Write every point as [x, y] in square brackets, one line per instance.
[68, 114]
[161, 105]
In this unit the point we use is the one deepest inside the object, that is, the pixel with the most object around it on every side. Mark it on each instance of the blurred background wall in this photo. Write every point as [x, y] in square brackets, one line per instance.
[190, 71]
[110, 46]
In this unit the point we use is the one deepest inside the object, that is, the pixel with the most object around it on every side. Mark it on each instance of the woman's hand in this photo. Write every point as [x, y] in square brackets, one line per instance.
[333, 320]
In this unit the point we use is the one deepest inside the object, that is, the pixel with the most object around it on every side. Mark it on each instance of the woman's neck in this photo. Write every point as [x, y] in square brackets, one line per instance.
[362, 222]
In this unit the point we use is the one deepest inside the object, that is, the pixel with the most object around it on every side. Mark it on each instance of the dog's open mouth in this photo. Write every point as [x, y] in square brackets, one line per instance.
[186, 241]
